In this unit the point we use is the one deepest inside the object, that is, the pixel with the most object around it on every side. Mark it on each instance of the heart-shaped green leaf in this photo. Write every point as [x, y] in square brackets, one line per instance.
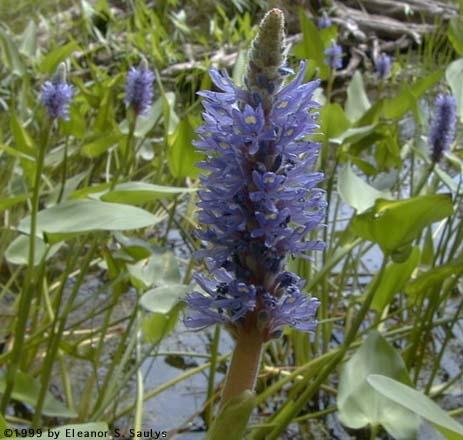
[26, 389]
[136, 193]
[75, 217]
[163, 299]
[394, 224]
[356, 192]
[361, 405]
[418, 403]
[157, 269]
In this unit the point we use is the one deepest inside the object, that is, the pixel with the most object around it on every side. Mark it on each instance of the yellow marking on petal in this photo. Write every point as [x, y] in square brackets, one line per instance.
[250, 120]
[289, 132]
[223, 145]
[272, 216]
[269, 179]
[283, 104]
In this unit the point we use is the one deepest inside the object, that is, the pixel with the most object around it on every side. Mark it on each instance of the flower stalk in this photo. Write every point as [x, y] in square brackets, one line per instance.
[244, 366]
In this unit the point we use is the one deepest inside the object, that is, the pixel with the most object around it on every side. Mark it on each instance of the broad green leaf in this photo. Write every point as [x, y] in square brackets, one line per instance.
[50, 62]
[394, 224]
[182, 156]
[311, 48]
[356, 192]
[82, 216]
[22, 139]
[353, 135]
[357, 100]
[84, 430]
[232, 420]
[454, 77]
[433, 278]
[394, 279]
[333, 121]
[100, 145]
[26, 390]
[147, 121]
[156, 326]
[3, 426]
[18, 250]
[407, 99]
[137, 248]
[12, 201]
[69, 187]
[158, 269]
[170, 118]
[455, 33]
[141, 192]
[163, 299]
[10, 54]
[28, 45]
[360, 405]
[417, 402]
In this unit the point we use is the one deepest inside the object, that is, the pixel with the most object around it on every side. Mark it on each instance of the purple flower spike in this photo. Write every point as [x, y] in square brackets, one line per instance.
[258, 203]
[324, 22]
[442, 130]
[139, 88]
[57, 94]
[333, 56]
[383, 65]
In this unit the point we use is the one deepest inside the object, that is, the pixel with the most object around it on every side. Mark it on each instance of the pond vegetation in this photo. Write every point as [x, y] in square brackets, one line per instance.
[268, 188]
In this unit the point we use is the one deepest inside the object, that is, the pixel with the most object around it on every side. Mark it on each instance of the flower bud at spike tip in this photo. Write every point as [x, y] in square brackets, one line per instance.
[60, 75]
[264, 75]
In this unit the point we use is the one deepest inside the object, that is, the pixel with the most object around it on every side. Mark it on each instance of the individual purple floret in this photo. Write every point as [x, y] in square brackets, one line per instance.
[333, 56]
[57, 94]
[383, 65]
[258, 203]
[442, 130]
[324, 22]
[139, 88]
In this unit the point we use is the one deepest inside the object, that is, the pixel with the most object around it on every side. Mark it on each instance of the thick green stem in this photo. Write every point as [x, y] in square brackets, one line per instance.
[29, 287]
[244, 365]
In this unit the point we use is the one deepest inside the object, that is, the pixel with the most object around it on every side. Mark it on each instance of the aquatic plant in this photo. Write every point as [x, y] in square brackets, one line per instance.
[333, 56]
[383, 64]
[57, 94]
[139, 88]
[258, 203]
[442, 129]
[324, 22]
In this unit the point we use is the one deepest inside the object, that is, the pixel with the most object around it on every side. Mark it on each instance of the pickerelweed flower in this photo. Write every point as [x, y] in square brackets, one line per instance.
[383, 65]
[443, 124]
[333, 56]
[259, 198]
[139, 88]
[57, 94]
[324, 22]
